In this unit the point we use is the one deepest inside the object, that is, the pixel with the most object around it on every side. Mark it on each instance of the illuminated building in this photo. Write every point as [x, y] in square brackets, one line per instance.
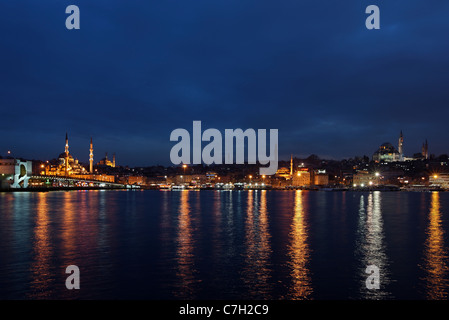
[66, 164]
[386, 153]
[320, 178]
[302, 177]
[366, 179]
[439, 180]
[106, 162]
[283, 172]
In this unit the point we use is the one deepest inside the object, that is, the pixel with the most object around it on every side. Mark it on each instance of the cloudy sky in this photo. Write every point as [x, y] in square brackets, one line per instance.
[136, 70]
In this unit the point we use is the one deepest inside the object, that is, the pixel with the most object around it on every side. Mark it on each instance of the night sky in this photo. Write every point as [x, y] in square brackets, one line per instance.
[136, 70]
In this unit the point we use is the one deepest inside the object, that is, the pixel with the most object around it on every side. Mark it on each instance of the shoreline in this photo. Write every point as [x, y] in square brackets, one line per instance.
[48, 189]
[36, 189]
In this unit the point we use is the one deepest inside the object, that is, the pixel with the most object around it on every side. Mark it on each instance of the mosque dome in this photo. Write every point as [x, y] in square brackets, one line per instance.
[386, 152]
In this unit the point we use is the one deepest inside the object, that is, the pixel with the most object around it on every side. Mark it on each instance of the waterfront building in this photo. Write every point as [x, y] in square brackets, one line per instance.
[320, 178]
[365, 179]
[14, 173]
[301, 178]
[283, 172]
[440, 180]
[65, 165]
[68, 166]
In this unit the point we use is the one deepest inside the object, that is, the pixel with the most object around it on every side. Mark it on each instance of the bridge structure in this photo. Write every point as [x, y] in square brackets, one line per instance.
[61, 182]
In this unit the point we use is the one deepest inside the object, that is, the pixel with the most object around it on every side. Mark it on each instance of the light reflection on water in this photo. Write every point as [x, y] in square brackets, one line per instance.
[299, 251]
[185, 257]
[257, 270]
[371, 247]
[435, 254]
[42, 274]
[213, 245]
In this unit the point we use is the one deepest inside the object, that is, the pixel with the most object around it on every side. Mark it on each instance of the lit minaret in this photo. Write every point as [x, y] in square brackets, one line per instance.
[91, 157]
[400, 147]
[291, 165]
[66, 154]
[113, 160]
[66, 144]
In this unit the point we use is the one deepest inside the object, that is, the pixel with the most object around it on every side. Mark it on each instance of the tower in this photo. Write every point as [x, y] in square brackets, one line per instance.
[400, 147]
[66, 144]
[91, 157]
[291, 165]
[425, 150]
[113, 160]
[66, 154]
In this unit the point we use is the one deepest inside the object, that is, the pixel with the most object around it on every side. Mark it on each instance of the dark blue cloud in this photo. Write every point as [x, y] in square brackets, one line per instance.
[136, 70]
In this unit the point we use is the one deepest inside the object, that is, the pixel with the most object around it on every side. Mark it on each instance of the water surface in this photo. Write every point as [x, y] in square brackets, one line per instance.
[224, 244]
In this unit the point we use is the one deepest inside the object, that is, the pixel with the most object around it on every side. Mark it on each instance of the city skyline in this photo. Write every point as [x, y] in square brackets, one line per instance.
[129, 77]
[399, 149]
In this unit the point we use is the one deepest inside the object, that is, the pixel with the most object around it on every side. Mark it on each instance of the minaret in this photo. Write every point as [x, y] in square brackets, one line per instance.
[400, 147]
[66, 144]
[91, 157]
[66, 154]
[113, 160]
[291, 165]
[425, 150]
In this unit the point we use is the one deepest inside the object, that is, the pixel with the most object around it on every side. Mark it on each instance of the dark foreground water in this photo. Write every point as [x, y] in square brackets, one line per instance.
[224, 245]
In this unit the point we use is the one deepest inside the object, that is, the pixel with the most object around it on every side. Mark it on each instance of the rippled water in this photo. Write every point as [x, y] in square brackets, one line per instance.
[224, 244]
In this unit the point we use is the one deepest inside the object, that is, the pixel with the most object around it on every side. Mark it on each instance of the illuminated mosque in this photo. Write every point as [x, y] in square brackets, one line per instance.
[388, 153]
[67, 165]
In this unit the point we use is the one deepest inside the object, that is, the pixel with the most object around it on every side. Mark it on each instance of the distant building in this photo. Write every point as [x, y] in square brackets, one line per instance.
[302, 177]
[283, 172]
[365, 179]
[14, 173]
[106, 162]
[439, 180]
[136, 180]
[386, 153]
[320, 178]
